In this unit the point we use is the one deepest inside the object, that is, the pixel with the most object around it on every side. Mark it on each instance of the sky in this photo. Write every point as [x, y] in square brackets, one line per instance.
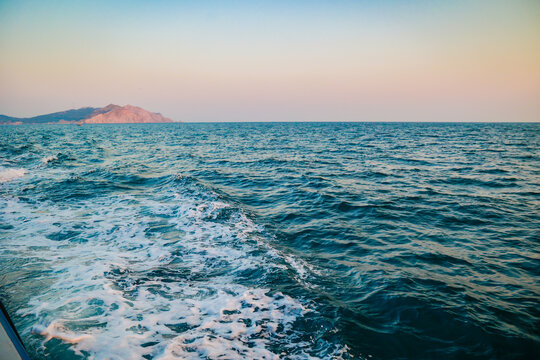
[276, 60]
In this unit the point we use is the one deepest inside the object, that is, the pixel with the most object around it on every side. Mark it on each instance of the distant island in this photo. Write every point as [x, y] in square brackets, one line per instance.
[110, 114]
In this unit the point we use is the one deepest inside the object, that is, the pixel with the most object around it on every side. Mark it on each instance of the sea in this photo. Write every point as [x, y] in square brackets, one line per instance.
[272, 240]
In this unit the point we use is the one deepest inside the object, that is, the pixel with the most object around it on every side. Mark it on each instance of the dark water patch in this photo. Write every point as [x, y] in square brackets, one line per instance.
[63, 235]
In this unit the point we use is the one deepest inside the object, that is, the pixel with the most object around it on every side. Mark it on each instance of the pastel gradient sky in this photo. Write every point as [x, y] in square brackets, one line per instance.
[275, 60]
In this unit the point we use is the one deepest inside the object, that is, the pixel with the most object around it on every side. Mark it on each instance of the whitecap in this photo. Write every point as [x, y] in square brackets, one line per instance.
[48, 159]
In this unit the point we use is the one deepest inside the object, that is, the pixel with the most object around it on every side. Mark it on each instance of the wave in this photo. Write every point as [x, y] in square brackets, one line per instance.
[48, 159]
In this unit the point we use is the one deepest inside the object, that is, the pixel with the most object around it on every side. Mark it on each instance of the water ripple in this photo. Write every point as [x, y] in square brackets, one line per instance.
[273, 240]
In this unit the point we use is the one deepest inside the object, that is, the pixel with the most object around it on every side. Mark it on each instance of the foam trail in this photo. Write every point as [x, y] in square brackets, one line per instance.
[120, 290]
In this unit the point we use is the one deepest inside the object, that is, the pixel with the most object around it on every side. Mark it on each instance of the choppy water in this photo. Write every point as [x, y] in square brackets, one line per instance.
[265, 241]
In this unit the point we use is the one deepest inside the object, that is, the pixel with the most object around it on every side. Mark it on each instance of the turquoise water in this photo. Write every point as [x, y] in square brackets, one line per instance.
[282, 240]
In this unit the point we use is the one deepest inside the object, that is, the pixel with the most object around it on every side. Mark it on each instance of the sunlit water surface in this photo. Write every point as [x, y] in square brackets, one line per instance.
[342, 240]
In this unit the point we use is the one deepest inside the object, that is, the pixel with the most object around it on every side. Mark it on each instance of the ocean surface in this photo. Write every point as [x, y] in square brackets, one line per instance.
[272, 240]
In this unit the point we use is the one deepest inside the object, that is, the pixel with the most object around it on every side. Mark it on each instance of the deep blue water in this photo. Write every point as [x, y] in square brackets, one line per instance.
[277, 240]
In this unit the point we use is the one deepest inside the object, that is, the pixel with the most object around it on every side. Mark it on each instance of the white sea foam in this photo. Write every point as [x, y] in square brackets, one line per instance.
[110, 292]
[9, 174]
[48, 159]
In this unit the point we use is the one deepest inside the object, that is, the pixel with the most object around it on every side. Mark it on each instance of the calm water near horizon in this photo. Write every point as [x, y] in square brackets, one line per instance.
[272, 240]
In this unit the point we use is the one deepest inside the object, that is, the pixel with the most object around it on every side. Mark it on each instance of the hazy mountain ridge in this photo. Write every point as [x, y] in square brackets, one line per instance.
[110, 114]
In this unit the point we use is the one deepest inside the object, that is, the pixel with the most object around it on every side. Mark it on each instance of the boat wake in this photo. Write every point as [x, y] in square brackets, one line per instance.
[183, 275]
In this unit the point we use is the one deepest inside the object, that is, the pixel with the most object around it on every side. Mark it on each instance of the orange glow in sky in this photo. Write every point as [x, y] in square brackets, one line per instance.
[274, 61]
